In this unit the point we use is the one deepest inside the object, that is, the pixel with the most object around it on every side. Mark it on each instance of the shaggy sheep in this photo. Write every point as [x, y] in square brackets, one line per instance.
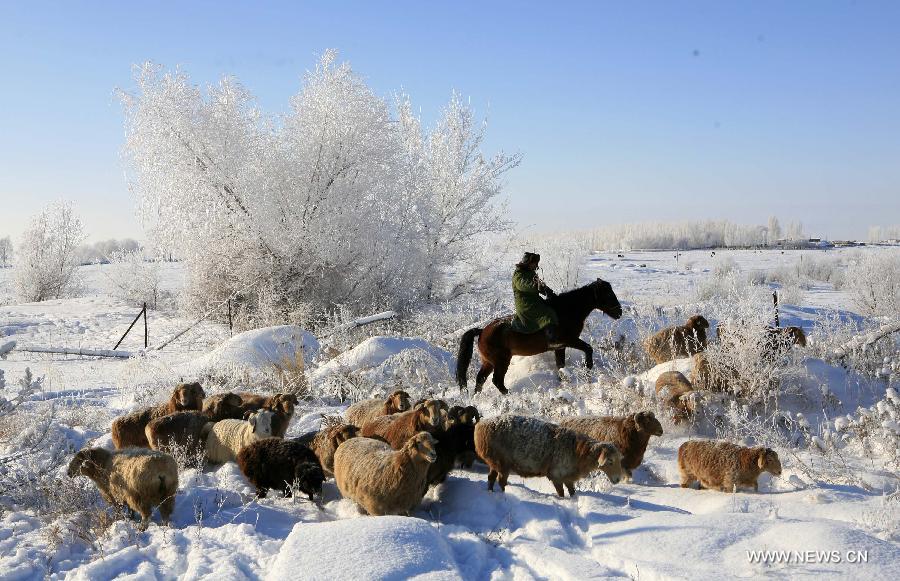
[363, 411]
[674, 390]
[223, 406]
[381, 480]
[455, 443]
[682, 341]
[275, 463]
[630, 434]
[226, 438]
[724, 466]
[138, 478]
[706, 377]
[282, 404]
[179, 429]
[128, 430]
[776, 342]
[532, 447]
[428, 416]
[324, 442]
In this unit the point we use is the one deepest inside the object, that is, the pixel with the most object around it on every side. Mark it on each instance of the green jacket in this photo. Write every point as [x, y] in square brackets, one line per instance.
[532, 312]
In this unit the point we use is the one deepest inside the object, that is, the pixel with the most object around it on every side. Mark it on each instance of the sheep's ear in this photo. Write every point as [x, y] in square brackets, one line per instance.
[602, 459]
[247, 415]
[253, 419]
[761, 460]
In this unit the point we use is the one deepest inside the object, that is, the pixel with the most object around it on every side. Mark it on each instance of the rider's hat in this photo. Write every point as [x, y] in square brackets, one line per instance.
[529, 258]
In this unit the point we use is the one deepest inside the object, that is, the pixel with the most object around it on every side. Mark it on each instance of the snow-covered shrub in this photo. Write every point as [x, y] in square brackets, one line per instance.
[340, 202]
[873, 279]
[6, 252]
[100, 252]
[46, 260]
[134, 278]
[563, 257]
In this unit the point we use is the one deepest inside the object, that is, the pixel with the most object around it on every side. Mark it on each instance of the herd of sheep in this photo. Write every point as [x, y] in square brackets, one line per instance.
[386, 453]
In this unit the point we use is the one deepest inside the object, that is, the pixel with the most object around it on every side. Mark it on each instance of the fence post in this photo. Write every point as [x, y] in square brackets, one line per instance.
[146, 330]
[775, 302]
[230, 327]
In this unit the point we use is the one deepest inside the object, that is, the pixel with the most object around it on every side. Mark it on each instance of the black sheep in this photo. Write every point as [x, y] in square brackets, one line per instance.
[455, 443]
[273, 463]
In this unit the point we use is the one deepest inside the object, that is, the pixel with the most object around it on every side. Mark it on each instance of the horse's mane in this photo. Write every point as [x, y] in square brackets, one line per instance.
[580, 297]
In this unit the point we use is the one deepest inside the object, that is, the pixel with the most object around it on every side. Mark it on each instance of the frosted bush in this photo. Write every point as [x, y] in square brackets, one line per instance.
[134, 278]
[46, 260]
[873, 279]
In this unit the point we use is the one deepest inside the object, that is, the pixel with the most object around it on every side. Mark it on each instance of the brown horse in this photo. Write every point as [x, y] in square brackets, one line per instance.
[498, 343]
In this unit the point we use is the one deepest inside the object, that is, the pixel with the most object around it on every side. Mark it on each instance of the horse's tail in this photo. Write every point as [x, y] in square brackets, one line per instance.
[464, 357]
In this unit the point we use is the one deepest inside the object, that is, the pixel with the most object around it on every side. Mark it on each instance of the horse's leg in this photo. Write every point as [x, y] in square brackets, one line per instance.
[588, 351]
[500, 368]
[560, 357]
[486, 369]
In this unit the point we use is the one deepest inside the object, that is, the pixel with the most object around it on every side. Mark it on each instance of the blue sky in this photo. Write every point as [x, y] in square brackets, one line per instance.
[624, 111]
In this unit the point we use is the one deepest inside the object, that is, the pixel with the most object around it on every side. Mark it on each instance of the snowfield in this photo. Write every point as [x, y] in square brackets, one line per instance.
[825, 513]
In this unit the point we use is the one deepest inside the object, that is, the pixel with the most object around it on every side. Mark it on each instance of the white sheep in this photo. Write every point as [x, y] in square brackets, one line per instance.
[382, 480]
[225, 439]
[136, 477]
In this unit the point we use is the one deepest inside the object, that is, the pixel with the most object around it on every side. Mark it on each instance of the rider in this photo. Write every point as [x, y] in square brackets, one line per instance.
[532, 312]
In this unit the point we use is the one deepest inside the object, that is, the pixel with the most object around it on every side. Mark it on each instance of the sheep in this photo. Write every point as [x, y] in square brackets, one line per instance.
[223, 406]
[382, 480]
[428, 416]
[630, 434]
[179, 429]
[138, 478]
[129, 430]
[275, 463]
[455, 443]
[225, 439]
[706, 377]
[281, 403]
[681, 341]
[725, 466]
[675, 391]
[363, 411]
[533, 447]
[324, 442]
[776, 342]
[464, 415]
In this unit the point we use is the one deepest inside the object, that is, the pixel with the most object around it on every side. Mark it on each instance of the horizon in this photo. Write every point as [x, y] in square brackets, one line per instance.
[663, 113]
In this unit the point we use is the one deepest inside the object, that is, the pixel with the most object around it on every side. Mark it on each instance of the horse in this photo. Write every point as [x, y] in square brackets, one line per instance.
[497, 343]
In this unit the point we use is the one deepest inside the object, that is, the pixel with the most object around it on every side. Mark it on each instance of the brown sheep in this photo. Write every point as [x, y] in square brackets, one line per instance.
[381, 480]
[325, 441]
[532, 447]
[428, 416]
[283, 404]
[725, 466]
[630, 434]
[674, 390]
[682, 341]
[187, 429]
[776, 342]
[140, 479]
[223, 406]
[704, 376]
[363, 411]
[129, 430]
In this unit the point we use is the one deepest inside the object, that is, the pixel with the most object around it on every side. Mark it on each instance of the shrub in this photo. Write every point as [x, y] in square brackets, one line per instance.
[46, 260]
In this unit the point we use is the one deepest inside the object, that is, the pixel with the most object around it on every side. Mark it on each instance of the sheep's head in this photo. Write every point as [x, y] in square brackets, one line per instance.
[698, 322]
[768, 461]
[432, 414]
[284, 403]
[340, 434]
[463, 415]
[188, 396]
[223, 406]
[88, 461]
[398, 402]
[647, 422]
[261, 422]
[423, 445]
[798, 337]
[308, 477]
[609, 460]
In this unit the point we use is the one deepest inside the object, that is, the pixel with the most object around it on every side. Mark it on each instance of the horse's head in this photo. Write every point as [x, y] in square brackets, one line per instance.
[605, 299]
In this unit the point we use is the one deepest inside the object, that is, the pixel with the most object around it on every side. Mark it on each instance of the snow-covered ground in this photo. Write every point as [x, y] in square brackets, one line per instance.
[648, 529]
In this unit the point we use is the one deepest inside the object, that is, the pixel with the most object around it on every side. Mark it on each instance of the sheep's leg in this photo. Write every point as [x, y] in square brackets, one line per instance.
[261, 492]
[588, 351]
[503, 478]
[560, 357]
[492, 477]
[559, 488]
[486, 369]
[570, 486]
[687, 479]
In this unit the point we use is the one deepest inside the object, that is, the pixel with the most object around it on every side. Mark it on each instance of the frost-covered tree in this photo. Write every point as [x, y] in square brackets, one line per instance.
[774, 232]
[873, 280]
[134, 278]
[340, 201]
[6, 251]
[46, 261]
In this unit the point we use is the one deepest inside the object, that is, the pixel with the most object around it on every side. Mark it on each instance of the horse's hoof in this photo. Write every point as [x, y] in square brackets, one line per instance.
[503, 390]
